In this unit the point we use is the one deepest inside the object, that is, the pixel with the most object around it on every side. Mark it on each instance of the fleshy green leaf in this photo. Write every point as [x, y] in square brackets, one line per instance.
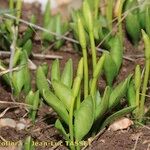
[50, 26]
[35, 104]
[41, 81]
[98, 98]
[110, 69]
[67, 75]
[81, 33]
[77, 81]
[18, 80]
[45, 68]
[99, 66]
[103, 106]
[131, 95]
[116, 51]
[57, 105]
[29, 98]
[28, 47]
[63, 93]
[132, 21]
[61, 129]
[47, 14]
[5, 77]
[84, 118]
[146, 39]
[17, 56]
[55, 70]
[147, 20]
[87, 16]
[19, 75]
[27, 80]
[119, 92]
[137, 77]
[27, 76]
[117, 115]
[58, 30]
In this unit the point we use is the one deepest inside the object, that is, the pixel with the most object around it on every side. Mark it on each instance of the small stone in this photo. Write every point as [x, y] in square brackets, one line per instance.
[20, 126]
[7, 122]
[102, 141]
[121, 124]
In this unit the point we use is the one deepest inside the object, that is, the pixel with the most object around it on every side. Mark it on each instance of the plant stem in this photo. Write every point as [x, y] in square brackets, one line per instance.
[147, 20]
[10, 22]
[71, 131]
[137, 83]
[96, 5]
[137, 104]
[109, 13]
[93, 90]
[13, 48]
[76, 97]
[93, 87]
[144, 89]
[86, 78]
[19, 8]
[11, 4]
[120, 19]
[78, 102]
[96, 74]
[93, 49]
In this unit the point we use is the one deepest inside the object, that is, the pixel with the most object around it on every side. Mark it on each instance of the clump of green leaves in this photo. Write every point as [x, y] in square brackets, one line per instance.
[113, 60]
[33, 100]
[20, 47]
[84, 27]
[132, 21]
[138, 17]
[79, 116]
[53, 24]
[20, 80]
[134, 97]
[97, 27]
[64, 96]
[9, 30]
[27, 36]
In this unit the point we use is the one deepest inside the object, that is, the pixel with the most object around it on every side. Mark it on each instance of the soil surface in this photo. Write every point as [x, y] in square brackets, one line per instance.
[43, 130]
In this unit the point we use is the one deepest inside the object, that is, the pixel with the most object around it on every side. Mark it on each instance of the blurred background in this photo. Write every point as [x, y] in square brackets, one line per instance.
[63, 6]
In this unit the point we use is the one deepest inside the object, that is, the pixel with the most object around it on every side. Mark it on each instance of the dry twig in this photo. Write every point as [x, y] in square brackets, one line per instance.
[9, 70]
[4, 112]
[36, 56]
[15, 103]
